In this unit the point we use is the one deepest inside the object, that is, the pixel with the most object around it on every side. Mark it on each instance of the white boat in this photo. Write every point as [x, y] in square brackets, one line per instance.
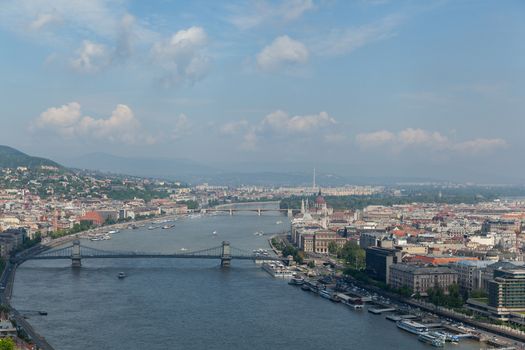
[277, 269]
[279, 222]
[412, 326]
[121, 275]
[183, 249]
[297, 281]
[113, 232]
[433, 340]
[214, 233]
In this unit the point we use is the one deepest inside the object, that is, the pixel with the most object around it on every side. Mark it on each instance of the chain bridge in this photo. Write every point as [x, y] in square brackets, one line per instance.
[225, 252]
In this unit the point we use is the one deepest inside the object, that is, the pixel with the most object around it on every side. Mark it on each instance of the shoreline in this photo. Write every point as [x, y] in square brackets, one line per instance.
[9, 273]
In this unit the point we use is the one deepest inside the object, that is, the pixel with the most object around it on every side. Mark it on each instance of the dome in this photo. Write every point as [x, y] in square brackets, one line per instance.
[320, 200]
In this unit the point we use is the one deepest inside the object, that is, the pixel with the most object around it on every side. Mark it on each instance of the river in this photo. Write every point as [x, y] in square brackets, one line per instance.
[192, 304]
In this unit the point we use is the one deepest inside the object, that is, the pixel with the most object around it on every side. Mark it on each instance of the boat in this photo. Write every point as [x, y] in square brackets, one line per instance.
[325, 294]
[183, 249]
[167, 227]
[412, 327]
[297, 281]
[151, 227]
[433, 340]
[447, 336]
[113, 232]
[42, 313]
[214, 233]
[121, 275]
[277, 269]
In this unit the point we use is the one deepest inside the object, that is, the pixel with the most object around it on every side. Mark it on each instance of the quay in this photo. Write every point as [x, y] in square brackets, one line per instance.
[377, 311]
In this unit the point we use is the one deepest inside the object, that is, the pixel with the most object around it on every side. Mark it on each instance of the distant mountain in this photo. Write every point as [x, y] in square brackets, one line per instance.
[232, 173]
[175, 169]
[12, 158]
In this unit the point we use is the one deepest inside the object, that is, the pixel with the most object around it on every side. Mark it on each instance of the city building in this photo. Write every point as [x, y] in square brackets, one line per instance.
[506, 295]
[379, 260]
[420, 279]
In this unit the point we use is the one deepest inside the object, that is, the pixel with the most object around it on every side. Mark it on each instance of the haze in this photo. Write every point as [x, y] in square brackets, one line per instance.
[366, 88]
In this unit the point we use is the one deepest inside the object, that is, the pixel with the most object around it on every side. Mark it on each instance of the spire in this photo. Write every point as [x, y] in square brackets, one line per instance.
[313, 183]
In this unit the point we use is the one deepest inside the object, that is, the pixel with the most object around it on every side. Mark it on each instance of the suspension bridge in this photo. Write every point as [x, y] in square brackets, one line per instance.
[259, 211]
[225, 253]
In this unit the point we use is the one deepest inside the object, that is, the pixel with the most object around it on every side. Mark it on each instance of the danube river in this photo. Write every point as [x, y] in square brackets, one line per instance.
[192, 304]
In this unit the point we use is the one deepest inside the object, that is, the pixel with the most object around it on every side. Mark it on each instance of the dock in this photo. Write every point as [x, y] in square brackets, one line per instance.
[396, 318]
[378, 311]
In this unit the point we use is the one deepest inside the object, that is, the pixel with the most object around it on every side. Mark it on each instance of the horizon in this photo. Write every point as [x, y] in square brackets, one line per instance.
[363, 88]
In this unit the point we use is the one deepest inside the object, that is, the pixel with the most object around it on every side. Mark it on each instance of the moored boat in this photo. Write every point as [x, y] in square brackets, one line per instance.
[411, 326]
[297, 281]
[433, 340]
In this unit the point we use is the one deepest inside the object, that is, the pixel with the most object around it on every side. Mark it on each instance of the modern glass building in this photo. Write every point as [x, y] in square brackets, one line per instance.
[507, 289]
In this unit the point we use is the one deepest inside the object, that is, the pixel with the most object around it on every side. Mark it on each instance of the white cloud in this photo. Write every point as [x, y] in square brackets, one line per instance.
[232, 128]
[63, 118]
[282, 51]
[281, 125]
[183, 56]
[411, 138]
[249, 140]
[344, 41]
[182, 126]
[280, 121]
[93, 17]
[44, 19]
[258, 12]
[480, 145]
[376, 138]
[91, 57]
[67, 120]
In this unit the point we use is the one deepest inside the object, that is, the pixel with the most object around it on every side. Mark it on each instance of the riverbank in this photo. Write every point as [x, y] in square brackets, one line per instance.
[8, 274]
[445, 313]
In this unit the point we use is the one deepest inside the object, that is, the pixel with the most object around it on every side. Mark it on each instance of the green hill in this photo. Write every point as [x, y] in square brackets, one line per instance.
[12, 158]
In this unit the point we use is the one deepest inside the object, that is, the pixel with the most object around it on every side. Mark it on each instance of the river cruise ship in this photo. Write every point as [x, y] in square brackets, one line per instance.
[412, 326]
[277, 269]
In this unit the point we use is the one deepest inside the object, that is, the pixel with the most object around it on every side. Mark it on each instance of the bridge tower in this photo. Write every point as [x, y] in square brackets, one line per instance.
[231, 211]
[226, 256]
[76, 257]
[290, 213]
[259, 211]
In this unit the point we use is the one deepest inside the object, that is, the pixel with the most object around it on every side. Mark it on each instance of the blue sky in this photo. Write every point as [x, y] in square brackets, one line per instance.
[424, 88]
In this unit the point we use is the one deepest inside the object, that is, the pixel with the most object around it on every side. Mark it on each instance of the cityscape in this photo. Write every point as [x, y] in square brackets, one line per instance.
[254, 174]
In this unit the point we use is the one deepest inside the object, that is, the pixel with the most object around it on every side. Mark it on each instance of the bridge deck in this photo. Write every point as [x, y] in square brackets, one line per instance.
[155, 256]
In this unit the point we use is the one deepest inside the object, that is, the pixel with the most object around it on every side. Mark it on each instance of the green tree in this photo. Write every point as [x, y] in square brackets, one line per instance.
[7, 344]
[333, 248]
[478, 294]
[353, 254]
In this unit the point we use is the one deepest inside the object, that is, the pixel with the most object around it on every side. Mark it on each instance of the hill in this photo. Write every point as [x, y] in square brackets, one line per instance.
[12, 158]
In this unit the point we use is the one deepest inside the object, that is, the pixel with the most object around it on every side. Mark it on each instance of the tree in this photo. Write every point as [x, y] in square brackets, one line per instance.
[7, 344]
[353, 254]
[333, 248]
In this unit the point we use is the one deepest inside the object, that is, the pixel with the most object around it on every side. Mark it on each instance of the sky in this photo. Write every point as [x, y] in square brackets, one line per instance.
[384, 87]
